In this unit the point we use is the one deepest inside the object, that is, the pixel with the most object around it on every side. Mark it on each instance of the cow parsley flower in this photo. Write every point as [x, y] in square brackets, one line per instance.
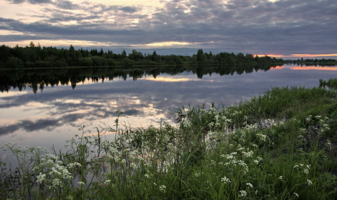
[242, 193]
[225, 180]
[162, 188]
[309, 182]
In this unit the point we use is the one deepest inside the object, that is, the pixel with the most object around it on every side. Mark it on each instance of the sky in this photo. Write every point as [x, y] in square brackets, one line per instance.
[284, 28]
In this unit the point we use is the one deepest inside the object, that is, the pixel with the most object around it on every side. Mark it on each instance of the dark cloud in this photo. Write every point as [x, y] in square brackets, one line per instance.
[68, 5]
[39, 1]
[129, 9]
[16, 1]
[30, 1]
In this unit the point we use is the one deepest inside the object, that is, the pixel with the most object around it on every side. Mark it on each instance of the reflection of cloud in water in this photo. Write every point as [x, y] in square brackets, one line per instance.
[169, 79]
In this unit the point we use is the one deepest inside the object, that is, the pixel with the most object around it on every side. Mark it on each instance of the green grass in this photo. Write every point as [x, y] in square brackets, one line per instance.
[280, 145]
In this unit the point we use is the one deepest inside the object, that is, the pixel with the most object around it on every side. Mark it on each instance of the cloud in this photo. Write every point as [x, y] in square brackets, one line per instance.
[29, 1]
[68, 5]
[129, 9]
[254, 26]
[16, 1]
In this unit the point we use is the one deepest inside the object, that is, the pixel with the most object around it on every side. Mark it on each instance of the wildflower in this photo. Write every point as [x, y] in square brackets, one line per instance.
[147, 176]
[81, 183]
[113, 150]
[56, 182]
[309, 182]
[162, 188]
[306, 171]
[225, 180]
[41, 177]
[242, 193]
[248, 154]
[249, 184]
[296, 195]
[133, 166]
[262, 137]
[281, 178]
[74, 164]
[309, 118]
[107, 181]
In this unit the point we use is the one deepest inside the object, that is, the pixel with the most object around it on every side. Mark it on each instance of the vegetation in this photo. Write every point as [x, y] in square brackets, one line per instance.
[281, 145]
[33, 56]
[314, 62]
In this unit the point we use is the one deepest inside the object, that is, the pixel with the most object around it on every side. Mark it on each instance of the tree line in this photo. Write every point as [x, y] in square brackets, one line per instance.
[315, 62]
[35, 56]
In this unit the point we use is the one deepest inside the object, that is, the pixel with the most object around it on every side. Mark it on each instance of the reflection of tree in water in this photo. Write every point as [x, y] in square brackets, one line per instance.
[38, 79]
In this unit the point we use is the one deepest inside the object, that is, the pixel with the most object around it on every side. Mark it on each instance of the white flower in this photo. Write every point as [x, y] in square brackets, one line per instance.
[306, 171]
[107, 181]
[81, 183]
[296, 194]
[242, 193]
[57, 182]
[225, 180]
[41, 177]
[162, 188]
[133, 166]
[309, 118]
[280, 178]
[249, 184]
[248, 154]
[147, 176]
[309, 182]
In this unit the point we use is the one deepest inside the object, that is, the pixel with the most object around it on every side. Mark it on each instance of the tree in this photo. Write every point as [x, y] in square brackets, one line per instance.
[199, 55]
[123, 54]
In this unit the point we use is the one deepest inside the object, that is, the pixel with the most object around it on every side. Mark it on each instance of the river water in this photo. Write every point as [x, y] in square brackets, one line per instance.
[49, 116]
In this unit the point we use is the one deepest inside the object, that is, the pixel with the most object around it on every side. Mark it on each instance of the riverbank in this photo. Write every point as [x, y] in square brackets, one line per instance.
[280, 145]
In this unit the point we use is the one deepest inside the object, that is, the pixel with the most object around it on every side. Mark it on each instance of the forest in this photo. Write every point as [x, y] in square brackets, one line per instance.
[35, 56]
[313, 62]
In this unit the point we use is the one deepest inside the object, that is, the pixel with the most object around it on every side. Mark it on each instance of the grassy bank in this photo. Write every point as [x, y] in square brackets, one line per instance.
[281, 145]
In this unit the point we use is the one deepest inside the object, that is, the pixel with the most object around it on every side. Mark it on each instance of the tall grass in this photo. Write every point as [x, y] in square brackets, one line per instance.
[281, 145]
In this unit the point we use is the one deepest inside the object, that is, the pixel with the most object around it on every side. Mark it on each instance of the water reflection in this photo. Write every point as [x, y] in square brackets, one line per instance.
[315, 68]
[145, 96]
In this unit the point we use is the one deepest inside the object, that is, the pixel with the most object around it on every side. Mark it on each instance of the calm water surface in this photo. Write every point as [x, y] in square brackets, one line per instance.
[54, 115]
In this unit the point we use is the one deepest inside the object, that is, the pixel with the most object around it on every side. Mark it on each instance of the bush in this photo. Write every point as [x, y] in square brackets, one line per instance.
[127, 62]
[13, 62]
[110, 62]
[98, 61]
[85, 62]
